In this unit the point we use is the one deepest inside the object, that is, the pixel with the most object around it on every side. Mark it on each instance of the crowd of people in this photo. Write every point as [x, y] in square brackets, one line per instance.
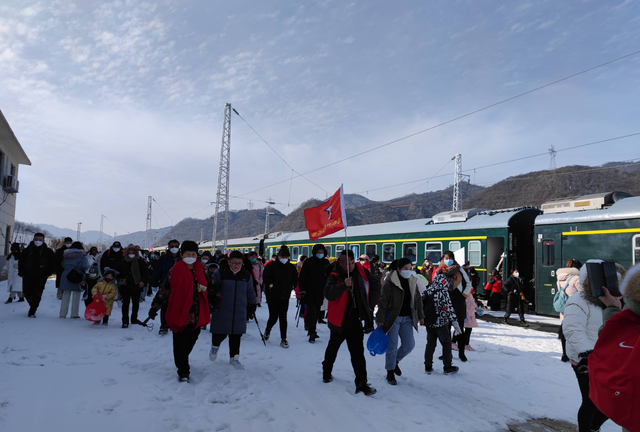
[196, 289]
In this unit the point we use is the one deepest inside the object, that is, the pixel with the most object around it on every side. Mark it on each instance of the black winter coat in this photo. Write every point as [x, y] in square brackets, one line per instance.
[110, 259]
[36, 262]
[313, 278]
[279, 280]
[124, 272]
[162, 268]
[513, 285]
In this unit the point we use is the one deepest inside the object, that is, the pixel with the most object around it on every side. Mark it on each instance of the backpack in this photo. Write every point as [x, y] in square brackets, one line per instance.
[429, 309]
[614, 376]
[561, 297]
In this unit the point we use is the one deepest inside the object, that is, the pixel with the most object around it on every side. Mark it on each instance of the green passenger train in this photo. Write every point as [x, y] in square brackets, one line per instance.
[536, 241]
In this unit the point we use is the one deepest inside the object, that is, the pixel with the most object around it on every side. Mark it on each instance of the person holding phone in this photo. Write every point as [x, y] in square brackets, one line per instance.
[582, 320]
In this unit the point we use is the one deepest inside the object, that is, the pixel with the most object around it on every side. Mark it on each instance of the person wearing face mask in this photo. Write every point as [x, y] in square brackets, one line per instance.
[132, 278]
[236, 301]
[399, 313]
[186, 294]
[14, 282]
[90, 281]
[59, 256]
[514, 287]
[107, 287]
[161, 272]
[364, 261]
[255, 267]
[112, 257]
[205, 258]
[91, 256]
[313, 278]
[459, 290]
[36, 264]
[280, 278]
[75, 258]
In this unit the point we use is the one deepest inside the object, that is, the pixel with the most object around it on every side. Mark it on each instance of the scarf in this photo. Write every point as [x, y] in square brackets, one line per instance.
[181, 297]
[135, 268]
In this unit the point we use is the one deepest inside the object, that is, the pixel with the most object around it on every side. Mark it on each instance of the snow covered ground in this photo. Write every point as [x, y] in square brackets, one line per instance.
[67, 375]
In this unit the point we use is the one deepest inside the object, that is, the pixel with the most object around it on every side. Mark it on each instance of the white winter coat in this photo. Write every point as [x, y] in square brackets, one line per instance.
[582, 319]
[14, 282]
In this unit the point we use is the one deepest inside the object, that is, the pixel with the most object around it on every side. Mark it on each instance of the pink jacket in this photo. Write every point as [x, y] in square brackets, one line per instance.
[470, 321]
[564, 275]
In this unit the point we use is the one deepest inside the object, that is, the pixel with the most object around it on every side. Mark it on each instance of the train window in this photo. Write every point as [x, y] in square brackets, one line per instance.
[454, 246]
[339, 249]
[356, 250]
[328, 248]
[409, 250]
[305, 251]
[636, 249]
[548, 253]
[294, 253]
[370, 250]
[474, 253]
[433, 252]
[388, 252]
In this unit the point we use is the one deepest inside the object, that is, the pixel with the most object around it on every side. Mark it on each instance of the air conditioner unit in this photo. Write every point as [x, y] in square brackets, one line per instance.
[10, 184]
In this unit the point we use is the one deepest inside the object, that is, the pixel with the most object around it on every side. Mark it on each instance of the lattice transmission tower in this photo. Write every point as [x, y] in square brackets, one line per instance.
[222, 196]
[147, 232]
[552, 160]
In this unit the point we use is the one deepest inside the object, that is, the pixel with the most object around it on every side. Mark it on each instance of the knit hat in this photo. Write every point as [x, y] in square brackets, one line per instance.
[189, 246]
[284, 251]
[110, 271]
[630, 286]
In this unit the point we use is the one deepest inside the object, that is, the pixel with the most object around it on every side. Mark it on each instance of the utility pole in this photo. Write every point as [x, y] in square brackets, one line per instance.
[552, 160]
[457, 180]
[266, 219]
[148, 228]
[79, 227]
[222, 196]
[101, 231]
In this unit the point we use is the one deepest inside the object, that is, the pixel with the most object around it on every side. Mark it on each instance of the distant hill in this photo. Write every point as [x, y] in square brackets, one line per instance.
[413, 206]
[535, 188]
[242, 223]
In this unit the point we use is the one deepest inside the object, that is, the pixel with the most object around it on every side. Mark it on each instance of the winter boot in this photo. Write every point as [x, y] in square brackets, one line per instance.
[284, 343]
[235, 362]
[125, 325]
[184, 378]
[523, 323]
[462, 356]
[163, 331]
[366, 389]
[397, 370]
[9, 301]
[213, 354]
[327, 377]
[450, 370]
[505, 321]
[266, 335]
[21, 299]
[428, 369]
[312, 338]
[391, 378]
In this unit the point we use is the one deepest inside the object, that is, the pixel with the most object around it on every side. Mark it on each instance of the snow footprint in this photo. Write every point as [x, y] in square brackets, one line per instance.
[109, 407]
[109, 382]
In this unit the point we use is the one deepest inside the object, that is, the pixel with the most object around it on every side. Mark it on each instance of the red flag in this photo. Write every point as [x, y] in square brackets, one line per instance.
[327, 218]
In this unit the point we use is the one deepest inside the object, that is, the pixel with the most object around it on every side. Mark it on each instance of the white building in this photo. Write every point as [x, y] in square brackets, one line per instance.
[11, 157]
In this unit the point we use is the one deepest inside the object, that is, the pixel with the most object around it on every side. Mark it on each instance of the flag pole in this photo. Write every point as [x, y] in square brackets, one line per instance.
[346, 245]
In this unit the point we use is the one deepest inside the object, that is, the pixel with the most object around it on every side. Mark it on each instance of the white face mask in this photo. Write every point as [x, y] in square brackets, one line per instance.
[116, 249]
[132, 255]
[189, 261]
[205, 260]
[284, 260]
[38, 243]
[406, 273]
[174, 250]
[516, 274]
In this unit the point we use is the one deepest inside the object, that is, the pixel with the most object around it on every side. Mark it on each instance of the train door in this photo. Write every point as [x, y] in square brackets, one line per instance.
[548, 261]
[495, 248]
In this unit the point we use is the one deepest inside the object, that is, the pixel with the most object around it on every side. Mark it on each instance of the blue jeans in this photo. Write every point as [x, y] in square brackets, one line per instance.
[403, 328]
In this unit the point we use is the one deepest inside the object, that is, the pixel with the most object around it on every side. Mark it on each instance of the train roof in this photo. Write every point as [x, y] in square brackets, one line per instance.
[627, 208]
[484, 220]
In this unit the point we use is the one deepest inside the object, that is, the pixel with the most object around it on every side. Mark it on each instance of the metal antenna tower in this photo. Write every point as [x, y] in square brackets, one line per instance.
[456, 181]
[266, 219]
[250, 205]
[148, 228]
[101, 231]
[552, 161]
[222, 196]
[78, 235]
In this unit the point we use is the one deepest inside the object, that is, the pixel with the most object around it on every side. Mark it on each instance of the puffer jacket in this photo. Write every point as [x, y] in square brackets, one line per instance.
[391, 298]
[237, 293]
[470, 321]
[439, 292]
[582, 320]
[571, 275]
[106, 288]
[73, 259]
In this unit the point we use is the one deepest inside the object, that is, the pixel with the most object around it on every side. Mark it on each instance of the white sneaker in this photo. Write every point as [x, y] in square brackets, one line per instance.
[213, 354]
[235, 362]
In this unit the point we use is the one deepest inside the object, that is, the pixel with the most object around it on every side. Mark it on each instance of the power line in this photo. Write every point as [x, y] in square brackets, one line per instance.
[453, 120]
[433, 176]
[170, 218]
[277, 154]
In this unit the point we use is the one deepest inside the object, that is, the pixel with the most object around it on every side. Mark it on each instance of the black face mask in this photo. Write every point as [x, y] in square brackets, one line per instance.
[108, 280]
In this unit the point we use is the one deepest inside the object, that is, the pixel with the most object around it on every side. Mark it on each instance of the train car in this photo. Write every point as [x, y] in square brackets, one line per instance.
[478, 235]
[604, 226]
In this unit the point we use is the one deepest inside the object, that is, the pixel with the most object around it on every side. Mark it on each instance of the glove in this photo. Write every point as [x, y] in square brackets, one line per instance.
[153, 313]
[251, 311]
[456, 328]
[583, 365]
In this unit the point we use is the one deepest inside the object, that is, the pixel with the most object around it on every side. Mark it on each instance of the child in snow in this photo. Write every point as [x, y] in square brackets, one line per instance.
[439, 315]
[92, 279]
[14, 281]
[107, 287]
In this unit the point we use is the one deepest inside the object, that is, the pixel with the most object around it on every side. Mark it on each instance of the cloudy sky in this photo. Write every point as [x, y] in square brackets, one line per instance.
[116, 101]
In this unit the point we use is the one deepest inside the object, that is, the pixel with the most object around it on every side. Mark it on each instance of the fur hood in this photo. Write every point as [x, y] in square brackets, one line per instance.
[73, 254]
[565, 273]
[630, 286]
